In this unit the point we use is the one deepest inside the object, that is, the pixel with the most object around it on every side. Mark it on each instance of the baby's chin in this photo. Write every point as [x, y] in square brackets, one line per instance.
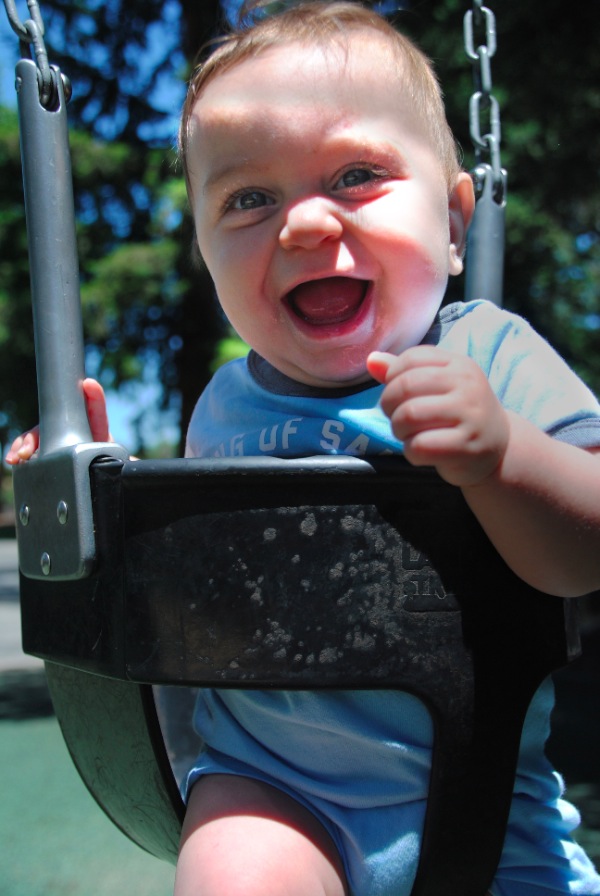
[340, 376]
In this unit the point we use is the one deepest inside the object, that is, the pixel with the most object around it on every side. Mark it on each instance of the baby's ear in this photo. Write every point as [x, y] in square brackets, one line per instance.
[461, 205]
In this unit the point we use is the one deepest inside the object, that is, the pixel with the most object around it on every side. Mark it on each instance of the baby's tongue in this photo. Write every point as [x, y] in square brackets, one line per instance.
[329, 301]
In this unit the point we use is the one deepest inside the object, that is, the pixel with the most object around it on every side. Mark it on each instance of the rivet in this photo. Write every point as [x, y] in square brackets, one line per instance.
[45, 563]
[24, 514]
[62, 512]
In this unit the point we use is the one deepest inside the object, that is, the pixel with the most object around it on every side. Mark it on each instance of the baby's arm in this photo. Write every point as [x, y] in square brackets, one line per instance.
[538, 499]
[25, 445]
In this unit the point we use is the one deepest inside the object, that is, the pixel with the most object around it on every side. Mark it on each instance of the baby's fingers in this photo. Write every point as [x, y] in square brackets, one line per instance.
[95, 403]
[384, 366]
[23, 447]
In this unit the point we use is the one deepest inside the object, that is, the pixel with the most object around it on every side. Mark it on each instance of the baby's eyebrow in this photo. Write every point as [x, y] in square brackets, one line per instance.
[215, 177]
[227, 170]
[221, 173]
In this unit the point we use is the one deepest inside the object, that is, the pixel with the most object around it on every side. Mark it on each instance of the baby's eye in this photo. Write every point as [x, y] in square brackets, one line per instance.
[356, 177]
[247, 200]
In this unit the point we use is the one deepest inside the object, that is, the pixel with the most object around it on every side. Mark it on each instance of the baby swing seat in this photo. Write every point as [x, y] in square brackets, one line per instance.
[316, 573]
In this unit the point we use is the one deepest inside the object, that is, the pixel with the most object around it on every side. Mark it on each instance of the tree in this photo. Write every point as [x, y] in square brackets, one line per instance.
[546, 73]
[143, 296]
[16, 337]
[146, 294]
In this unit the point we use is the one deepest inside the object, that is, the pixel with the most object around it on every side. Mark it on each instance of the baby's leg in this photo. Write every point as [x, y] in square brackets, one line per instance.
[242, 837]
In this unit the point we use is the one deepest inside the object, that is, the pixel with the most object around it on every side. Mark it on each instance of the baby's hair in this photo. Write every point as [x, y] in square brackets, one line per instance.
[327, 24]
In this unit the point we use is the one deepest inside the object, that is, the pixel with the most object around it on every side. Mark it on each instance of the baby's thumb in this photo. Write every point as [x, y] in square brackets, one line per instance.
[96, 410]
[378, 364]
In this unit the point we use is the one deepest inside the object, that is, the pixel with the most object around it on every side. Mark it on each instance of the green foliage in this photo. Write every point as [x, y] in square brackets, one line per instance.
[228, 349]
[18, 393]
[17, 406]
[143, 295]
[546, 76]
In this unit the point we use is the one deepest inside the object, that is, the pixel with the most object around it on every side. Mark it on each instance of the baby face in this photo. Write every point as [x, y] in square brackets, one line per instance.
[321, 209]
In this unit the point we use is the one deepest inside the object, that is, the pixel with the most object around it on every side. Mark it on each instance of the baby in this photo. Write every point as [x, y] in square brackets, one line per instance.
[330, 210]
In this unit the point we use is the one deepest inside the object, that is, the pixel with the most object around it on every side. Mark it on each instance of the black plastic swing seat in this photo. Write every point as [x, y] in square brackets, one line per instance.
[315, 573]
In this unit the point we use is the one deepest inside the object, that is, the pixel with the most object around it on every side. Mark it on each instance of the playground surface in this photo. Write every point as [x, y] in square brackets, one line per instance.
[54, 841]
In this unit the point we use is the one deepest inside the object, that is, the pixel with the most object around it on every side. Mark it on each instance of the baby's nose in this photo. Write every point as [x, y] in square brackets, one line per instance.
[310, 222]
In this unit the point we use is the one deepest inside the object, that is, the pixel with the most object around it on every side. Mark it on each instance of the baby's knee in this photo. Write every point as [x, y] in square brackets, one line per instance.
[244, 838]
[253, 857]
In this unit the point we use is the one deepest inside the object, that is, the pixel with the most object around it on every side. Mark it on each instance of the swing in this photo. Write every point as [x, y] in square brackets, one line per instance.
[316, 573]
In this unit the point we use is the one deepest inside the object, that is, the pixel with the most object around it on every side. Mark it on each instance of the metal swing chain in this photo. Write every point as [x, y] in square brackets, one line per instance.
[31, 39]
[483, 102]
[485, 240]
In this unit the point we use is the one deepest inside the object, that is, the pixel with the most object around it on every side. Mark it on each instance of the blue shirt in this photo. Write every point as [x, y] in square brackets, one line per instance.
[250, 409]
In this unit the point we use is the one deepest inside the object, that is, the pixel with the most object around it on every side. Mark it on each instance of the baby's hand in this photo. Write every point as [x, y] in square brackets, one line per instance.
[25, 445]
[443, 409]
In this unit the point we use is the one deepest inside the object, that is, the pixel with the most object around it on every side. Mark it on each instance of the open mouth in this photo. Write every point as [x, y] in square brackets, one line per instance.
[332, 300]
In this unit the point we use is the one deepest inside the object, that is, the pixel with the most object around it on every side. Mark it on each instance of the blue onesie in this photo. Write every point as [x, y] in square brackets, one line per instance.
[360, 760]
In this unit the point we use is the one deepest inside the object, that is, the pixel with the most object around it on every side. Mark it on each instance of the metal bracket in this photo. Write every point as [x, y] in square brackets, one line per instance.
[485, 240]
[55, 525]
[55, 522]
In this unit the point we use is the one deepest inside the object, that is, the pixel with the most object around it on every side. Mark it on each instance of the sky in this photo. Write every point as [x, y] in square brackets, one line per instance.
[8, 57]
